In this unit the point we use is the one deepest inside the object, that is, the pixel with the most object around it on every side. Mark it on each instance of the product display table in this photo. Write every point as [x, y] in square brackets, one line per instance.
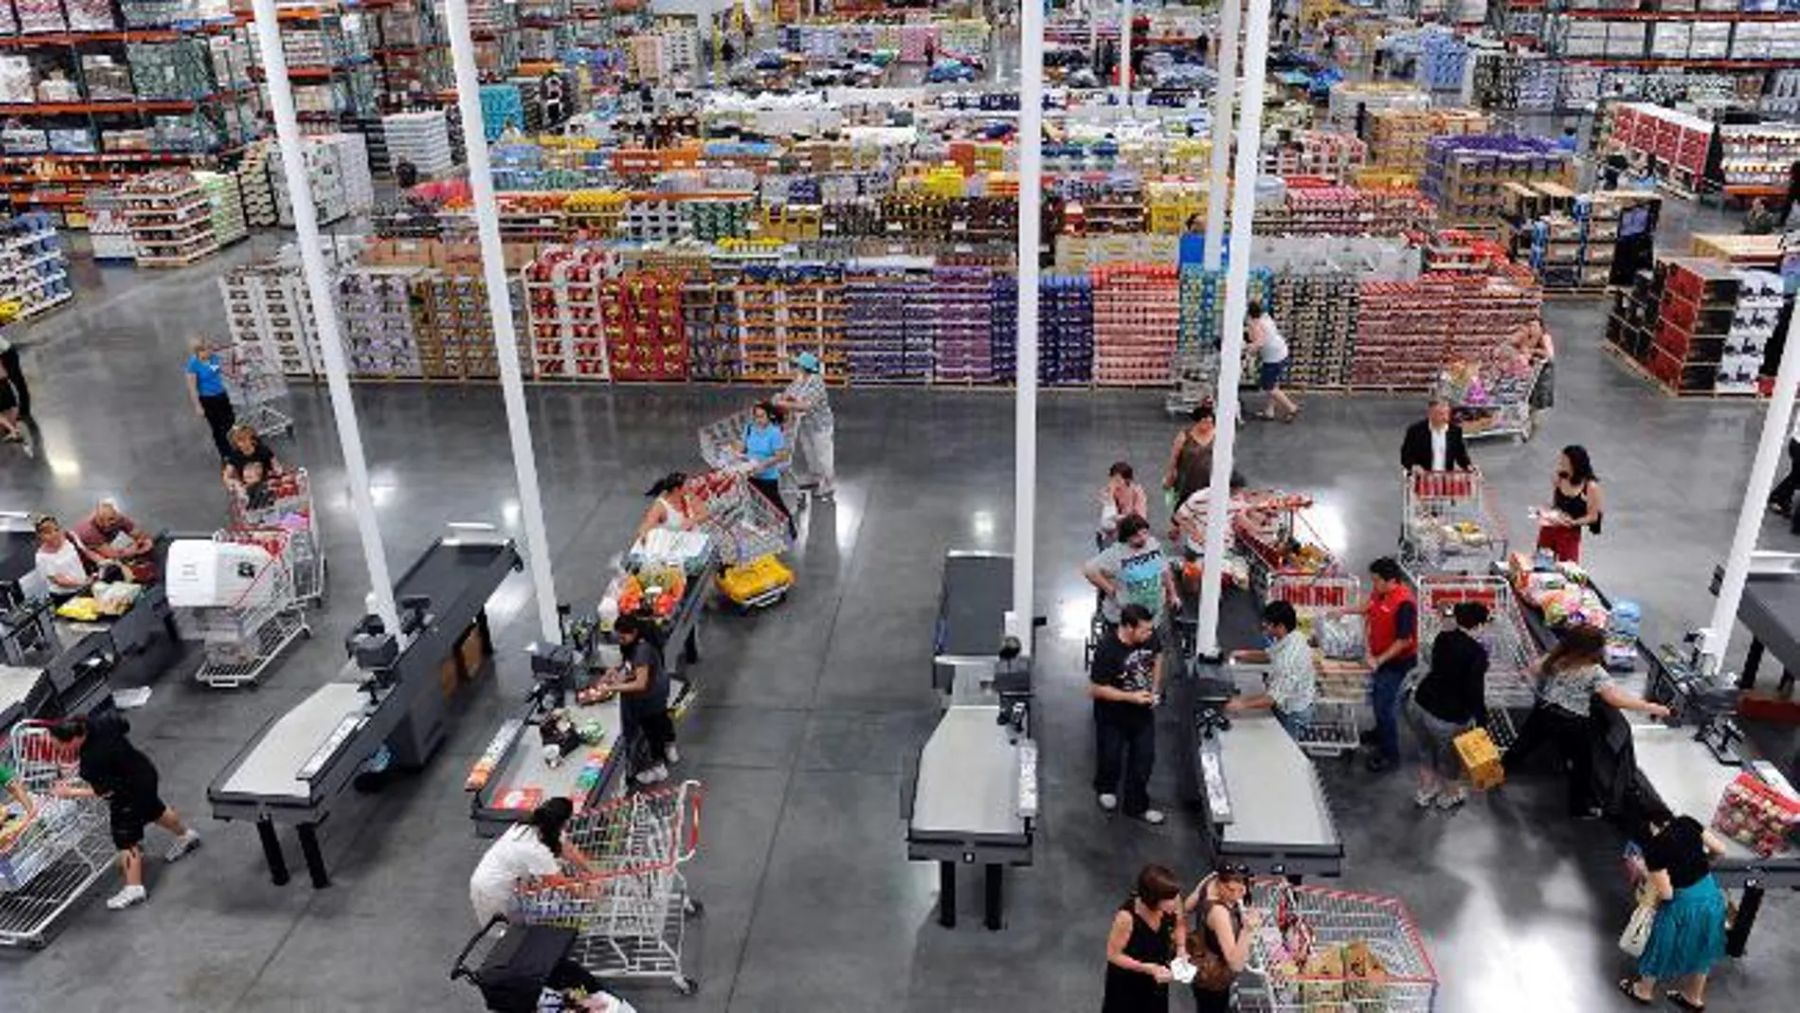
[297, 764]
[1683, 773]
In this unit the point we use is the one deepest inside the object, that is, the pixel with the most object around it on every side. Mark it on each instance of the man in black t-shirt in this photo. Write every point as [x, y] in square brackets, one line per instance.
[644, 698]
[1124, 682]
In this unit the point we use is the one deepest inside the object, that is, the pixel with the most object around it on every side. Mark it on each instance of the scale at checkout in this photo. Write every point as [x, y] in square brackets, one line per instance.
[971, 797]
[386, 702]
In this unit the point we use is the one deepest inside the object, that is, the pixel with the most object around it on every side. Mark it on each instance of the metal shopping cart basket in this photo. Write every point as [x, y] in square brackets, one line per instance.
[284, 502]
[1490, 401]
[1337, 713]
[1320, 949]
[50, 862]
[1448, 523]
[1508, 642]
[1268, 526]
[721, 447]
[630, 914]
[242, 637]
[259, 392]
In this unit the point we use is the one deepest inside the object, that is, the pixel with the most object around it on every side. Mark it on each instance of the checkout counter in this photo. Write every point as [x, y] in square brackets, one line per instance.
[971, 797]
[386, 704]
[1261, 799]
[514, 773]
[1770, 610]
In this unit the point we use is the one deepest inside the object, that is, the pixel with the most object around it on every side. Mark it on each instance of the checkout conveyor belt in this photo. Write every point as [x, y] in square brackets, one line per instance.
[297, 764]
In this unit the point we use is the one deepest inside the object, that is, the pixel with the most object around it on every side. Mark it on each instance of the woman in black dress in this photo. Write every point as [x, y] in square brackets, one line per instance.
[1146, 934]
[1220, 936]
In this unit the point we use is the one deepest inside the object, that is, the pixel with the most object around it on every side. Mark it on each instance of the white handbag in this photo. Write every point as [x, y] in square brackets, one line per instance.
[1637, 930]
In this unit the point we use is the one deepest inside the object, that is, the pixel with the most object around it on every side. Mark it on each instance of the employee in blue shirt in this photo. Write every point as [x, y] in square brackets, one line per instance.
[206, 389]
[766, 445]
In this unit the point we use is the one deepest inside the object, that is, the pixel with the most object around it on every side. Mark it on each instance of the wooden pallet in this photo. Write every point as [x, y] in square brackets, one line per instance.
[1577, 292]
[1643, 373]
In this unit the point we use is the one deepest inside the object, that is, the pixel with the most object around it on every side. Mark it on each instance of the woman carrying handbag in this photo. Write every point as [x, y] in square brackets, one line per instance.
[1219, 944]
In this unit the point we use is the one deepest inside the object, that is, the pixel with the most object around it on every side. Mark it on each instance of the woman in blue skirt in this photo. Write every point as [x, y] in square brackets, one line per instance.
[1688, 936]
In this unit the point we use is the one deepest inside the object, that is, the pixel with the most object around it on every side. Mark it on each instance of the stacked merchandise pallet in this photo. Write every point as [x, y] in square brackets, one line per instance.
[268, 311]
[454, 331]
[421, 138]
[709, 317]
[784, 310]
[255, 188]
[1569, 240]
[375, 309]
[1522, 82]
[889, 323]
[965, 325]
[563, 289]
[1397, 137]
[1758, 310]
[1004, 300]
[1342, 210]
[1066, 331]
[1676, 144]
[1755, 158]
[1407, 332]
[1466, 176]
[34, 272]
[645, 339]
[171, 219]
[1137, 310]
[1372, 96]
[1695, 326]
[109, 234]
[337, 167]
[1317, 313]
[1326, 154]
[228, 222]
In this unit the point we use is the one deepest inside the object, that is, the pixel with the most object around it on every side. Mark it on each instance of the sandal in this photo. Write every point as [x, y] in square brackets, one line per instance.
[1674, 995]
[1625, 987]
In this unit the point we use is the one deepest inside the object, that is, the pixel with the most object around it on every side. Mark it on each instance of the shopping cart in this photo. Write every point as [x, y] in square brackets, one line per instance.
[48, 863]
[743, 524]
[1448, 523]
[1490, 401]
[722, 442]
[1320, 949]
[240, 639]
[630, 913]
[259, 392]
[1343, 684]
[1269, 527]
[284, 502]
[1508, 641]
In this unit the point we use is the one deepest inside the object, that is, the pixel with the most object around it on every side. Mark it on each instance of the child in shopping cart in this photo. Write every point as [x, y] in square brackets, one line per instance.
[249, 464]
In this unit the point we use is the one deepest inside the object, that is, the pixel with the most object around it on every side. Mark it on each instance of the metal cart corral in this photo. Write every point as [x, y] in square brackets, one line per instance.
[297, 764]
[971, 798]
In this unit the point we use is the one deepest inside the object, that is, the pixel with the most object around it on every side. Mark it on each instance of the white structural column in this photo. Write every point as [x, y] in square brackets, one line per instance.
[1776, 426]
[1231, 338]
[1124, 50]
[320, 288]
[1231, 18]
[506, 346]
[1031, 199]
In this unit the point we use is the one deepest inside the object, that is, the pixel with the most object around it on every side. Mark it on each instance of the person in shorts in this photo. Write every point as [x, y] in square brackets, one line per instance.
[1449, 701]
[1272, 353]
[113, 769]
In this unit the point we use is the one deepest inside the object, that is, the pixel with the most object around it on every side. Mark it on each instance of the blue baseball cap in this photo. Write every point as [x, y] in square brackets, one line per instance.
[808, 361]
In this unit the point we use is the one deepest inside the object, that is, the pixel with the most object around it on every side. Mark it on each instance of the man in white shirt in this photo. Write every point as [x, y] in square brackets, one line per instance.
[1292, 682]
[59, 559]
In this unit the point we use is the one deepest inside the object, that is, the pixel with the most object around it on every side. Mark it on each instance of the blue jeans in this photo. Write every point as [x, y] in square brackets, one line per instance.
[1297, 723]
[1384, 697]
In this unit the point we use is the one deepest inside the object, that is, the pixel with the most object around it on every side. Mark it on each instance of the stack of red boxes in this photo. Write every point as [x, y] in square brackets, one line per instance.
[1699, 301]
[645, 337]
[1137, 314]
[1678, 141]
[562, 290]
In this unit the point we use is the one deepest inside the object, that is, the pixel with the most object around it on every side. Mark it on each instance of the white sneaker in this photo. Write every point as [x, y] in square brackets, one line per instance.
[653, 775]
[183, 844]
[127, 897]
[1109, 801]
[1425, 798]
[671, 754]
[1452, 799]
[1154, 817]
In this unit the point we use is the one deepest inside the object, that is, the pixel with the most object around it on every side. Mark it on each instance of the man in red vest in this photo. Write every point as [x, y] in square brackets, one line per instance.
[1392, 621]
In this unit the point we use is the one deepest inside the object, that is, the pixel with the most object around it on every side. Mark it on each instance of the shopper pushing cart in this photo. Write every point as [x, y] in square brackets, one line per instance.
[806, 398]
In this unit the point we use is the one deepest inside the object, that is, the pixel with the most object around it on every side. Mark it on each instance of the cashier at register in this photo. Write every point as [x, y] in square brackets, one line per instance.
[1292, 683]
[108, 534]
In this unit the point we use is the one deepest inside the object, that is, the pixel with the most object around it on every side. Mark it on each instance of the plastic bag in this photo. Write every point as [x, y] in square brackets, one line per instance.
[1637, 930]
[1341, 637]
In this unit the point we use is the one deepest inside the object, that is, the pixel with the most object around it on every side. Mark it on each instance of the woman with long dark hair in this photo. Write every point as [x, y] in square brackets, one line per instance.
[1569, 677]
[765, 446]
[534, 847]
[1576, 501]
[1218, 943]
